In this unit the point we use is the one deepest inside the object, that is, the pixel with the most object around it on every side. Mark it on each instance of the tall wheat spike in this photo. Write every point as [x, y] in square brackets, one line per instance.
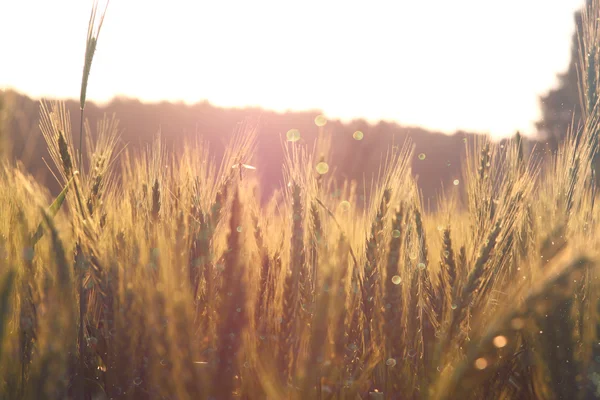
[233, 307]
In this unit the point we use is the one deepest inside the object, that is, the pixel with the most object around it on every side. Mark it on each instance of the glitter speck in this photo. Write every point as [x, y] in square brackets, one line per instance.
[456, 182]
[422, 156]
[396, 280]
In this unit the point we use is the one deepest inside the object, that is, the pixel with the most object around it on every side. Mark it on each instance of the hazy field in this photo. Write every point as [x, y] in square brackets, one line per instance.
[173, 280]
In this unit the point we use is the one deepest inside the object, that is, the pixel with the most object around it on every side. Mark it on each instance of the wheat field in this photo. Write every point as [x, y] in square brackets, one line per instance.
[163, 275]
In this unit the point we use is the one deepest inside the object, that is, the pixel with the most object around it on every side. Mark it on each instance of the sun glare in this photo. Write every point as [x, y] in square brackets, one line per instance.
[459, 67]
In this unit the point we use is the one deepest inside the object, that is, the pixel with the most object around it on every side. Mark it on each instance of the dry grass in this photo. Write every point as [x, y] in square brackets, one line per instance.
[172, 280]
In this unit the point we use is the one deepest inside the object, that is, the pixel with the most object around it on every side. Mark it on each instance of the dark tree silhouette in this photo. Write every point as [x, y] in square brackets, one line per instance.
[353, 159]
[561, 106]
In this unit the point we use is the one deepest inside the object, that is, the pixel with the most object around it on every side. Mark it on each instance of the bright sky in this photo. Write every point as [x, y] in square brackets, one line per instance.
[445, 65]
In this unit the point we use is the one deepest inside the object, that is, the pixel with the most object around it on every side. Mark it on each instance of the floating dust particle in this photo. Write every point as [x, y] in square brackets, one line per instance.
[345, 206]
[500, 341]
[322, 168]
[293, 135]
[320, 120]
[481, 363]
[517, 323]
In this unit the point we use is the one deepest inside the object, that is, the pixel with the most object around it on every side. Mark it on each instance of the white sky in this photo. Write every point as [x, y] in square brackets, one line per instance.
[445, 65]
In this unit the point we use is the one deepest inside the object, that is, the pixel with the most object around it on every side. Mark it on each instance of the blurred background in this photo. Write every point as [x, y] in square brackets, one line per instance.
[437, 72]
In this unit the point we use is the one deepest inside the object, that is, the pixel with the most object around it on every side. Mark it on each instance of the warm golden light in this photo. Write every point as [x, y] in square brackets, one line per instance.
[379, 60]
